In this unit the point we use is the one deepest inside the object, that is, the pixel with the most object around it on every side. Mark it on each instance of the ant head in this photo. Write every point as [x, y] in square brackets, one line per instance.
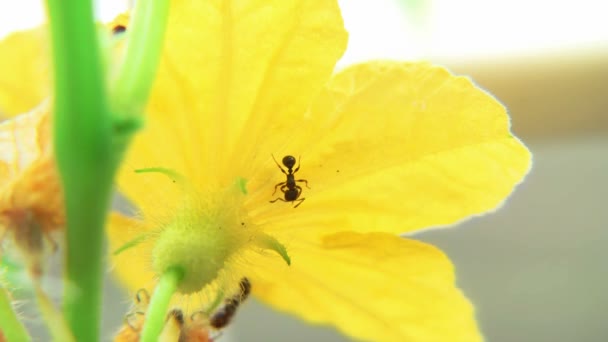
[289, 161]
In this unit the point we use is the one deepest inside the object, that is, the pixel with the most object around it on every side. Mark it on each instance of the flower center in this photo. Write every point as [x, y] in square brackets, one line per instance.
[206, 231]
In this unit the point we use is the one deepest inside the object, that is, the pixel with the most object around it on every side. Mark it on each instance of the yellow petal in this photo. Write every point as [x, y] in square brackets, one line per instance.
[370, 286]
[24, 71]
[24, 140]
[396, 147]
[132, 266]
[228, 70]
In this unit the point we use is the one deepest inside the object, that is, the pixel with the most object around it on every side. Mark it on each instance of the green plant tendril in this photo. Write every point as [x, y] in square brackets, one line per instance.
[130, 244]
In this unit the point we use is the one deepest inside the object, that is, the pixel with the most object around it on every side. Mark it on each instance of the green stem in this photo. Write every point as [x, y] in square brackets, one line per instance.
[155, 316]
[135, 76]
[90, 142]
[10, 326]
[83, 152]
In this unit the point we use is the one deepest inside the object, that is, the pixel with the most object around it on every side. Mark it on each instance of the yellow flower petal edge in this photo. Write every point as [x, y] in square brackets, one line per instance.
[24, 71]
[395, 147]
[374, 286]
[229, 70]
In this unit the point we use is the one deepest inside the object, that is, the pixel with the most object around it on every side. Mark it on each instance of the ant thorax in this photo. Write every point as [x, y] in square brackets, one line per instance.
[291, 190]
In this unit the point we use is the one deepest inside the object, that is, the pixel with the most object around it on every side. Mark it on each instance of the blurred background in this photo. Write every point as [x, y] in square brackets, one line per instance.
[535, 269]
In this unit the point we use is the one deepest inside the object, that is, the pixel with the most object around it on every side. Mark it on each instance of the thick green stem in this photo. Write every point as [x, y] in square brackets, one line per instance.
[83, 151]
[10, 326]
[131, 86]
[155, 317]
[89, 141]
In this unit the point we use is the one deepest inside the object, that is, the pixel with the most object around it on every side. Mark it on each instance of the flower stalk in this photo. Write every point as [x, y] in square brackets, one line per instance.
[155, 317]
[130, 88]
[89, 139]
[82, 146]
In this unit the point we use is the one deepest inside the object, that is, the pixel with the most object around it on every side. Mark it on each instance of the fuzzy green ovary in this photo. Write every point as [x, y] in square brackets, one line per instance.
[200, 240]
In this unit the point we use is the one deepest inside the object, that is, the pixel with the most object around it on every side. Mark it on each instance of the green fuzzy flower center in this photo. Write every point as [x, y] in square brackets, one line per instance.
[203, 235]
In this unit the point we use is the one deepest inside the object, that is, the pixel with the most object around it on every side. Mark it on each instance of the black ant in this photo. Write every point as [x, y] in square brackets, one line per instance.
[291, 190]
[224, 314]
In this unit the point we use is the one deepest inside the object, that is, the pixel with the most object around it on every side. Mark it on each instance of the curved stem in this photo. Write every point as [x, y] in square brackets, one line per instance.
[155, 317]
[130, 89]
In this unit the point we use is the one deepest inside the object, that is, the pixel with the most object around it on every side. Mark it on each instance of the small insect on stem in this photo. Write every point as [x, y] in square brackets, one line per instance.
[291, 191]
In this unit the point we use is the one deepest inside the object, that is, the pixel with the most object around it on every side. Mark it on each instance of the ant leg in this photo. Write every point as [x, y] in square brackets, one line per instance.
[276, 199]
[304, 181]
[300, 200]
[177, 315]
[276, 186]
[142, 296]
[299, 164]
[276, 162]
[132, 318]
[245, 287]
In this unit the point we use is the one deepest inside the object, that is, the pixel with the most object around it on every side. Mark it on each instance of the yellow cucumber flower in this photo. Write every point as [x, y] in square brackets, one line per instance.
[385, 147]
[24, 71]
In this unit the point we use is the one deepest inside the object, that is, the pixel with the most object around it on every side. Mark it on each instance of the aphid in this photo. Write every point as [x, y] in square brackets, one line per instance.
[224, 314]
[290, 189]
